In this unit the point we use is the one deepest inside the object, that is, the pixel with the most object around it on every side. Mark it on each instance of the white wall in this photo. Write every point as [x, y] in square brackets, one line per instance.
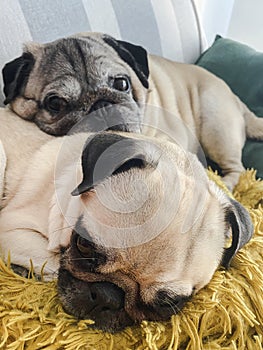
[215, 16]
[246, 23]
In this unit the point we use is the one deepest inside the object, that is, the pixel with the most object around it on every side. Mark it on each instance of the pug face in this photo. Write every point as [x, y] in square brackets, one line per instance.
[89, 82]
[151, 232]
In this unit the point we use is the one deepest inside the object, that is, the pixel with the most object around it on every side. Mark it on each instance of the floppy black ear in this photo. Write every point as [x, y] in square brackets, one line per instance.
[240, 222]
[15, 75]
[107, 154]
[135, 56]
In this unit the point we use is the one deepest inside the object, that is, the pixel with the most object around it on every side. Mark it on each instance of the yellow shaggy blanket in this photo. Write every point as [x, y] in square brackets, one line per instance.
[227, 314]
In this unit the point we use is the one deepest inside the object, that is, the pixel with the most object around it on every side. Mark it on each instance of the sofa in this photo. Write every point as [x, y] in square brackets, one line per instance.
[228, 313]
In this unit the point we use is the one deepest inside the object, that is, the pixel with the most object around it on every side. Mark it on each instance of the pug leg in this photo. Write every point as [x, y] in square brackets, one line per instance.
[24, 272]
[28, 248]
[230, 163]
[226, 150]
[232, 178]
[20, 270]
[223, 131]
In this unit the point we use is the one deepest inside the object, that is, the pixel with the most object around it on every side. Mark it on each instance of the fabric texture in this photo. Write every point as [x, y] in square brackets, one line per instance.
[241, 67]
[167, 28]
[227, 314]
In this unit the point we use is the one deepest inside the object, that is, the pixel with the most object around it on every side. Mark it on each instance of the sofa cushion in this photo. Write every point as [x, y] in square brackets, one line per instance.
[241, 67]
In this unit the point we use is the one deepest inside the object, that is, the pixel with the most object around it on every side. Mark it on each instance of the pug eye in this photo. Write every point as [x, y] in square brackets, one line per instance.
[86, 249]
[91, 258]
[229, 239]
[121, 84]
[55, 104]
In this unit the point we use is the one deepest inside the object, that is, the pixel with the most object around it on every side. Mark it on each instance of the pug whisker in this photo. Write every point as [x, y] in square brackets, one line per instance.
[83, 258]
[174, 308]
[49, 270]
[63, 228]
[172, 302]
[51, 275]
[72, 217]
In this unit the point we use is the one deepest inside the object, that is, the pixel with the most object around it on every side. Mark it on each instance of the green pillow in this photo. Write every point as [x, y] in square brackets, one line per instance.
[241, 67]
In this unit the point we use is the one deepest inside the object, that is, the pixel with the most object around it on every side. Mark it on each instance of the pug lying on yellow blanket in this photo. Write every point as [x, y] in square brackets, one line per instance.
[131, 226]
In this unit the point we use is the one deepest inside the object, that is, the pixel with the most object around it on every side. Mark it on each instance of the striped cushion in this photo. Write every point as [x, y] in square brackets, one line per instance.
[169, 28]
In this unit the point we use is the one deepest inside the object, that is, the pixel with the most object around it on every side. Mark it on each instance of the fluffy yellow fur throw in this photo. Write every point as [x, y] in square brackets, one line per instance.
[227, 314]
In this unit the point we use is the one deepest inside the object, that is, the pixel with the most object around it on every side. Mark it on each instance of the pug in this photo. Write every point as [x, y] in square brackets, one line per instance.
[130, 225]
[94, 82]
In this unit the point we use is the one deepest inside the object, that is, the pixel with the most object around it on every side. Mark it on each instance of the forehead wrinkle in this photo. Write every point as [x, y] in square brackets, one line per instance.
[66, 85]
[69, 55]
[87, 54]
[98, 52]
[99, 68]
[82, 54]
[86, 63]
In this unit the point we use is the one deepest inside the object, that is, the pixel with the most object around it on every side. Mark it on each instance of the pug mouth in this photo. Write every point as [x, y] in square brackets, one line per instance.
[102, 302]
[102, 115]
[109, 306]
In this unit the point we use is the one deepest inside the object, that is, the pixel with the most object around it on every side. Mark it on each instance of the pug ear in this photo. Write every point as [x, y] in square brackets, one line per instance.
[15, 75]
[238, 219]
[108, 154]
[135, 56]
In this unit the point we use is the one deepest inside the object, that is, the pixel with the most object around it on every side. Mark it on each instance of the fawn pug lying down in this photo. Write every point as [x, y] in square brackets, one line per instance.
[58, 84]
[132, 230]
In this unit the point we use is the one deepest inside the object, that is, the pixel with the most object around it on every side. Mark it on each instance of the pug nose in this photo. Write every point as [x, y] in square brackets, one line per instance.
[105, 296]
[100, 104]
[166, 305]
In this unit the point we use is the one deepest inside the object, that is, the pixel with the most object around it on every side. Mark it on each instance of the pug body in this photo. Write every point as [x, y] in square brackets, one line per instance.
[130, 225]
[93, 82]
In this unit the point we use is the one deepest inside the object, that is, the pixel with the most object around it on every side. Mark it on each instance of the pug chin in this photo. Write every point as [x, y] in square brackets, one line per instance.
[82, 300]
